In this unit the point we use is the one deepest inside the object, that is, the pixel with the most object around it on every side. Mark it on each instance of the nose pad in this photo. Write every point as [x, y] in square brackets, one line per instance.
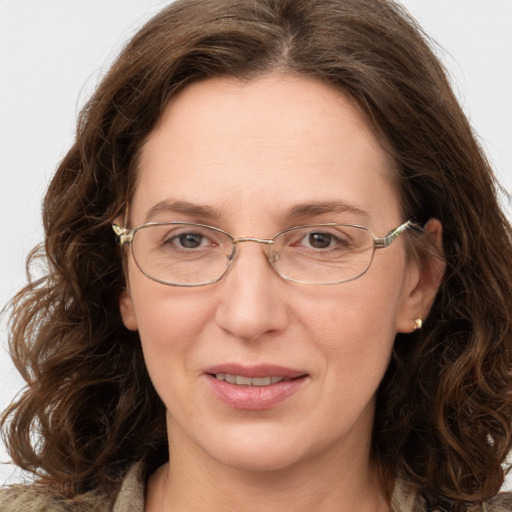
[272, 256]
[231, 257]
[230, 261]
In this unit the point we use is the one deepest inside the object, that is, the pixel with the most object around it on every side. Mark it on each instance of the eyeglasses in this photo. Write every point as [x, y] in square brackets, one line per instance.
[189, 254]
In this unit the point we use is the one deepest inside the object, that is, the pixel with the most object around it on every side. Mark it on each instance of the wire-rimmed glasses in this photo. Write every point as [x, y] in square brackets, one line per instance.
[190, 254]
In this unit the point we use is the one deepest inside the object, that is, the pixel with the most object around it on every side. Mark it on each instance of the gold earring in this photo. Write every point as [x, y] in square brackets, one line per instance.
[418, 322]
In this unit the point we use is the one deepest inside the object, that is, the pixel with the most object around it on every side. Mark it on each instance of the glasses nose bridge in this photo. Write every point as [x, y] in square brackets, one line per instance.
[267, 243]
[262, 241]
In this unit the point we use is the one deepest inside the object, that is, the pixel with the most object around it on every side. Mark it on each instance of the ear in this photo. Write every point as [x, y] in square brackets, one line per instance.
[424, 275]
[127, 310]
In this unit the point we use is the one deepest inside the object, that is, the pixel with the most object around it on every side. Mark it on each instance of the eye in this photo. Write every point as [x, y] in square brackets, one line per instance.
[179, 240]
[189, 240]
[192, 238]
[320, 240]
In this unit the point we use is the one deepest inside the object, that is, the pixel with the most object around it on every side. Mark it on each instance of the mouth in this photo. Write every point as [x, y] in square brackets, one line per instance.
[241, 380]
[254, 388]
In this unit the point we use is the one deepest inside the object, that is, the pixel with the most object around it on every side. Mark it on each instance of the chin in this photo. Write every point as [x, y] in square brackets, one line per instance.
[254, 461]
[260, 450]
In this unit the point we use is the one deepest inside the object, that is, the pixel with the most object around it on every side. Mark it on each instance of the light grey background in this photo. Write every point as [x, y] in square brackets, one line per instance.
[53, 52]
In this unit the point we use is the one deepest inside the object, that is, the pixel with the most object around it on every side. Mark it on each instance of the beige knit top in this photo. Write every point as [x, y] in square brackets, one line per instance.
[131, 499]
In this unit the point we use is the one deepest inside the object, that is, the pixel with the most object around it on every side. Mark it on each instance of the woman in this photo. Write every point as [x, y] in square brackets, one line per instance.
[308, 305]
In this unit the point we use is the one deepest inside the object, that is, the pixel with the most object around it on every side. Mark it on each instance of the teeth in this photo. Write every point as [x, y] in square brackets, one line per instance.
[240, 380]
[230, 378]
[243, 381]
[265, 381]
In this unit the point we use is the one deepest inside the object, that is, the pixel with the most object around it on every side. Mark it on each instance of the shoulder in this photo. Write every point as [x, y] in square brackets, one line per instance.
[406, 499]
[39, 498]
[132, 491]
[500, 503]
[28, 499]
[36, 498]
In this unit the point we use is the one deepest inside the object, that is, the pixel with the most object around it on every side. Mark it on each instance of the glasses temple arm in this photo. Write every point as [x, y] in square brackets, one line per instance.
[124, 236]
[385, 241]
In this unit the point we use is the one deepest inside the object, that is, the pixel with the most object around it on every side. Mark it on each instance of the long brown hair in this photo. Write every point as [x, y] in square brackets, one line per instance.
[444, 413]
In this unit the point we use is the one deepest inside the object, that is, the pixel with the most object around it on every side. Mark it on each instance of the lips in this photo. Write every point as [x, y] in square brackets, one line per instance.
[254, 388]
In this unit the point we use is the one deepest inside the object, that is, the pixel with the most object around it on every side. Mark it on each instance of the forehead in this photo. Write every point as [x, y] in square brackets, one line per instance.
[267, 144]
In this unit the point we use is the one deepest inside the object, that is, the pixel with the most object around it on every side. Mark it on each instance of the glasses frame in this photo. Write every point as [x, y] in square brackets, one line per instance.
[125, 238]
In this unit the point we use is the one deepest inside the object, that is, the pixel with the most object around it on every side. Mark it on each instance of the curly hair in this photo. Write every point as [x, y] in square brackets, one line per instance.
[444, 409]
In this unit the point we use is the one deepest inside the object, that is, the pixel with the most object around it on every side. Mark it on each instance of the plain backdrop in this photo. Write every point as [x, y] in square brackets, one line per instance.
[53, 52]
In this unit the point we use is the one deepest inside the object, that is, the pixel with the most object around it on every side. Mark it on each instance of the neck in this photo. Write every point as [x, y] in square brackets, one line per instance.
[335, 481]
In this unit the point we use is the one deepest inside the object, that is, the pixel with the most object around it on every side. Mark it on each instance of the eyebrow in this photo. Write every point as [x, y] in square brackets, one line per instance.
[183, 207]
[296, 212]
[323, 207]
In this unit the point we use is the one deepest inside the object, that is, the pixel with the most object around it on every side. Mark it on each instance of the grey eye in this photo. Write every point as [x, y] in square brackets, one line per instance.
[190, 240]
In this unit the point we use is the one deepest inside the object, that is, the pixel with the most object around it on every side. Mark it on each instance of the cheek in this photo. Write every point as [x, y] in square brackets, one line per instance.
[358, 310]
[169, 330]
[355, 328]
[169, 321]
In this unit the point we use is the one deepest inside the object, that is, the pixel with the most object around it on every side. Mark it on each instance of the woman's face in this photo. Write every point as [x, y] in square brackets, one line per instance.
[255, 158]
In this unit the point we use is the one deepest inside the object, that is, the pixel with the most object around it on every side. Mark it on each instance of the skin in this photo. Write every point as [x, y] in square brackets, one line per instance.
[251, 152]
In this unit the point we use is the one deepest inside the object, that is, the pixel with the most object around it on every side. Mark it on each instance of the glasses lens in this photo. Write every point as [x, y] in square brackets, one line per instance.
[323, 254]
[181, 253]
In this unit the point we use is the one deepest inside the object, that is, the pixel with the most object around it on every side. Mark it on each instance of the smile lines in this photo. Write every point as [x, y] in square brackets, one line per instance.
[241, 380]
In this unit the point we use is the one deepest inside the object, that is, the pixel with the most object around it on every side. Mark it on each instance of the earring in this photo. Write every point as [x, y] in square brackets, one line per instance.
[418, 322]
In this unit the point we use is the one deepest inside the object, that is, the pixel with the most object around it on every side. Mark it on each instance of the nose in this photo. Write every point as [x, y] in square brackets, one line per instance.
[252, 297]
